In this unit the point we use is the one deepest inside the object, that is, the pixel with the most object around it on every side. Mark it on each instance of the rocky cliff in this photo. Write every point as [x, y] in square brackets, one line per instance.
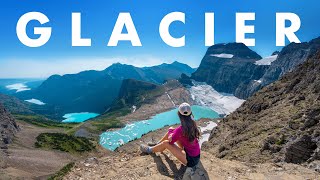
[289, 58]
[228, 66]
[8, 127]
[278, 123]
[233, 68]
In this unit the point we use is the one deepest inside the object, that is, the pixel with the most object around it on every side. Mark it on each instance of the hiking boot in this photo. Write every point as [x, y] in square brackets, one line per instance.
[145, 149]
[152, 143]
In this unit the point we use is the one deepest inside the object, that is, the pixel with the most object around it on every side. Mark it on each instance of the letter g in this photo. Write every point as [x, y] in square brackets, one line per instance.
[44, 32]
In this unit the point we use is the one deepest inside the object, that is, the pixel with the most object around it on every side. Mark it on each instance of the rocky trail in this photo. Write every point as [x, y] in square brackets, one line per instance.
[164, 166]
[128, 163]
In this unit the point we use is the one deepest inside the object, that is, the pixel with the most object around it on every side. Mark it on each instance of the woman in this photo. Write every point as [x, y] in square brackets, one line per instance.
[182, 142]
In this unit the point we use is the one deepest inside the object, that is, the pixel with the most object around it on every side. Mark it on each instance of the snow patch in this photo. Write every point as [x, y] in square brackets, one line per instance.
[205, 95]
[205, 137]
[36, 101]
[18, 87]
[210, 125]
[258, 81]
[223, 55]
[134, 108]
[267, 60]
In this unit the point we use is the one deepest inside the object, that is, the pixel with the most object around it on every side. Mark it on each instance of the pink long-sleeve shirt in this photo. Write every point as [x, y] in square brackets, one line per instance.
[191, 148]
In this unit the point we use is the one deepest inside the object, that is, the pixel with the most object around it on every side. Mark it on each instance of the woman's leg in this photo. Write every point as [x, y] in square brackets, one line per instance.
[165, 137]
[174, 149]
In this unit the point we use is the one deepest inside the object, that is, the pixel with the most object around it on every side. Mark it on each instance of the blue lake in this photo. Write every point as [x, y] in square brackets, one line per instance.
[113, 139]
[78, 117]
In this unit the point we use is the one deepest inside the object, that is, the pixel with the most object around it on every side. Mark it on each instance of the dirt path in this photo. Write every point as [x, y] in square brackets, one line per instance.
[24, 160]
[164, 166]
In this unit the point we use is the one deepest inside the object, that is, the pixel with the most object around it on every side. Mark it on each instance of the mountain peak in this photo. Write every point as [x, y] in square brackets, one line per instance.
[237, 50]
[275, 53]
[176, 62]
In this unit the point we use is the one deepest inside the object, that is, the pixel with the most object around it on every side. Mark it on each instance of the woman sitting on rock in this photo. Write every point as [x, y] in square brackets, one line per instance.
[182, 142]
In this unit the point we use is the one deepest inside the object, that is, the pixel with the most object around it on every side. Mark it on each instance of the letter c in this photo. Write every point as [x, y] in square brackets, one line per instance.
[164, 29]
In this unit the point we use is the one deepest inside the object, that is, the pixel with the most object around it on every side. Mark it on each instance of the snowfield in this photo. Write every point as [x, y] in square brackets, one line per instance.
[36, 101]
[205, 95]
[267, 60]
[228, 56]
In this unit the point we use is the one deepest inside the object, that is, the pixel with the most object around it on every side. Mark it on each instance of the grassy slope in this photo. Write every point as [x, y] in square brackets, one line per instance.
[64, 142]
[63, 171]
[43, 122]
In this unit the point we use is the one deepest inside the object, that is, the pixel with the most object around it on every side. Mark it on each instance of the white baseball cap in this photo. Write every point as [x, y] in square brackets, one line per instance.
[185, 109]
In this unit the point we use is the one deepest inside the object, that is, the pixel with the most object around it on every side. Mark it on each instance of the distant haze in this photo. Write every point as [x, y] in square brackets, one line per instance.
[29, 68]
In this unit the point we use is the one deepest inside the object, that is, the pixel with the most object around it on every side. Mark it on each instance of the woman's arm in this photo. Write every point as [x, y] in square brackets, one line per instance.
[175, 135]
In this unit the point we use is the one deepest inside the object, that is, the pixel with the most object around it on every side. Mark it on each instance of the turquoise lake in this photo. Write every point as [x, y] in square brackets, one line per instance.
[113, 139]
[78, 117]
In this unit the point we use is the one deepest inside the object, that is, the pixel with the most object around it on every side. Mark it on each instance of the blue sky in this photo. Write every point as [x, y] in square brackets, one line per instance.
[99, 17]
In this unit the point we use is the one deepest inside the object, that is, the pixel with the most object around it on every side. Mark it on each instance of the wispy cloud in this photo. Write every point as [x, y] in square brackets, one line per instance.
[35, 68]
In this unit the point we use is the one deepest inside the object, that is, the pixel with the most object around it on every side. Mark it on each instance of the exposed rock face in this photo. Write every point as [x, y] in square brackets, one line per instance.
[230, 68]
[227, 67]
[289, 58]
[8, 127]
[278, 123]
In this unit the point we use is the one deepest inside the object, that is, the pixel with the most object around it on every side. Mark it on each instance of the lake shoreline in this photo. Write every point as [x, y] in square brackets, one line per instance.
[113, 139]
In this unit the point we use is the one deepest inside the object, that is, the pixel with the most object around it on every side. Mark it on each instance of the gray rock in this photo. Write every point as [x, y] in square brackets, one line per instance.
[8, 127]
[288, 59]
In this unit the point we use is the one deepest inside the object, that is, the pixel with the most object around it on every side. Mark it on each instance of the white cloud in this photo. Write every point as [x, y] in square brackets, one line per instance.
[35, 68]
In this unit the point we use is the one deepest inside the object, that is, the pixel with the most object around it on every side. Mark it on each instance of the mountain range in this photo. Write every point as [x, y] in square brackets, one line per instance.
[229, 68]
[95, 91]
[233, 68]
[278, 123]
[154, 74]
